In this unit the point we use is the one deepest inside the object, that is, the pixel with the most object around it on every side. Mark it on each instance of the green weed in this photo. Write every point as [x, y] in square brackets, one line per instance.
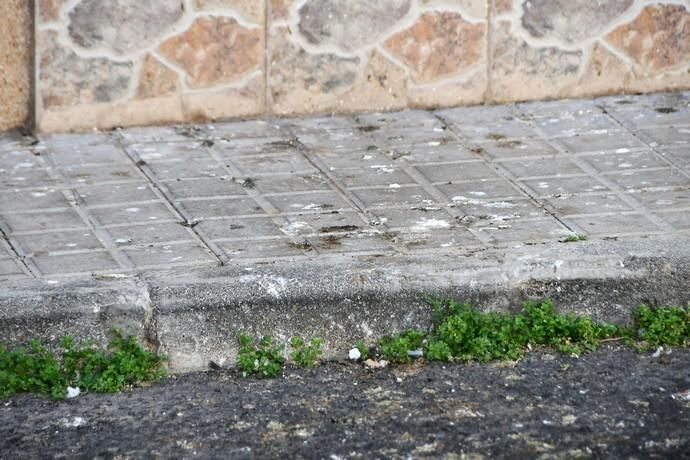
[363, 350]
[661, 326]
[396, 348]
[305, 354]
[460, 332]
[574, 238]
[263, 358]
[34, 369]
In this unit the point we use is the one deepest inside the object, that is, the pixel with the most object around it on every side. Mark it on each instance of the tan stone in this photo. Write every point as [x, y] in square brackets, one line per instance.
[476, 8]
[193, 107]
[439, 44]
[605, 73]
[503, 6]
[215, 50]
[658, 39]
[156, 79]
[252, 10]
[303, 83]
[280, 9]
[86, 117]
[15, 63]
[247, 100]
[522, 72]
[49, 10]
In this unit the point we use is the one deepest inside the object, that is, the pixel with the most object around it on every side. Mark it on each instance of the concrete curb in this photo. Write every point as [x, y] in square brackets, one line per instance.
[196, 317]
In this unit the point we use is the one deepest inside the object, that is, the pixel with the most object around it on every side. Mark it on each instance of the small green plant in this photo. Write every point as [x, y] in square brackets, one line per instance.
[462, 332]
[263, 358]
[574, 238]
[305, 354]
[363, 350]
[34, 369]
[396, 348]
[659, 326]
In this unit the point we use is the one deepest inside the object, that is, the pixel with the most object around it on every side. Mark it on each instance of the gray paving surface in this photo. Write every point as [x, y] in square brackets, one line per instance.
[412, 182]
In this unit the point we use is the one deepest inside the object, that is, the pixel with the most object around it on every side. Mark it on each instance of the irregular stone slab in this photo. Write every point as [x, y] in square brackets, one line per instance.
[295, 70]
[439, 44]
[350, 25]
[252, 10]
[156, 79]
[215, 50]
[658, 39]
[122, 26]
[570, 21]
[67, 79]
[522, 72]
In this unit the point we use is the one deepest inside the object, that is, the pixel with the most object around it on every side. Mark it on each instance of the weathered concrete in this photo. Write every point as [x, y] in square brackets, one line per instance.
[337, 226]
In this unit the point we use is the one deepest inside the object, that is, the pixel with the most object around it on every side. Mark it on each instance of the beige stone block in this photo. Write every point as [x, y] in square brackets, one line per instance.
[191, 107]
[468, 91]
[247, 100]
[15, 63]
[86, 117]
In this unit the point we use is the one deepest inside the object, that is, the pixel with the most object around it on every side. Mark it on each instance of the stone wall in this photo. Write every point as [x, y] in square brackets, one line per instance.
[15, 63]
[122, 62]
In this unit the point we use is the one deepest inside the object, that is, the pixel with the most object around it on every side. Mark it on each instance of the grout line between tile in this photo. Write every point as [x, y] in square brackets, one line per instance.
[505, 174]
[271, 211]
[166, 197]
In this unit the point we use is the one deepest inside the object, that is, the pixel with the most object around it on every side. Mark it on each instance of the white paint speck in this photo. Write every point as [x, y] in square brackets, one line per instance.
[429, 224]
[132, 209]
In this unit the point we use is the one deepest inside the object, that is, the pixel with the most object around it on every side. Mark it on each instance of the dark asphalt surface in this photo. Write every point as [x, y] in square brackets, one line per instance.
[614, 403]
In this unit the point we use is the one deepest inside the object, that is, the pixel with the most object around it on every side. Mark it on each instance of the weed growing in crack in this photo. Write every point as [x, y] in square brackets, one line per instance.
[397, 348]
[574, 238]
[123, 364]
[661, 326]
[363, 350]
[262, 358]
[462, 333]
[305, 354]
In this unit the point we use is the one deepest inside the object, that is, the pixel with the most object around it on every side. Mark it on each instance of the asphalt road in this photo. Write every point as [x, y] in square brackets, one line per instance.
[614, 403]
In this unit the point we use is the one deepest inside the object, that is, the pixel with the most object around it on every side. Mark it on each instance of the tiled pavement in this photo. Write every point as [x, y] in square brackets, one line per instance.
[458, 180]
